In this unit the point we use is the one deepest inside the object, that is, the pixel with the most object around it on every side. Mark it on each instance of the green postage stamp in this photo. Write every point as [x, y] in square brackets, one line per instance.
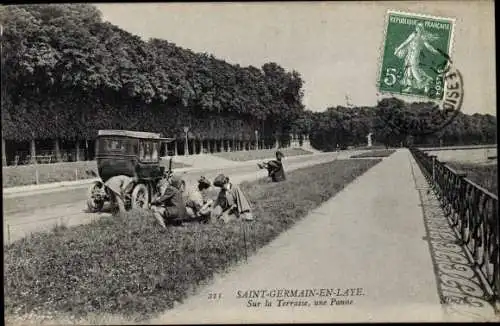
[416, 52]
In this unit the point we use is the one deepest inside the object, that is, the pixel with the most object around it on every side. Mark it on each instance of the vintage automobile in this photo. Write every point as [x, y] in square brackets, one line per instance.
[133, 154]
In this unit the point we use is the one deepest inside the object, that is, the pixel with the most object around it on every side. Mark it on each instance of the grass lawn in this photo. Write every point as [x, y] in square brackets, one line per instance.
[260, 154]
[23, 175]
[484, 175]
[376, 153]
[127, 266]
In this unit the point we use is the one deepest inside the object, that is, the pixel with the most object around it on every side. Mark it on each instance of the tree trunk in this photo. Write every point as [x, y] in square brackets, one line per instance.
[228, 148]
[186, 147]
[33, 150]
[193, 146]
[221, 145]
[175, 148]
[87, 156]
[4, 155]
[57, 149]
[77, 147]
[202, 149]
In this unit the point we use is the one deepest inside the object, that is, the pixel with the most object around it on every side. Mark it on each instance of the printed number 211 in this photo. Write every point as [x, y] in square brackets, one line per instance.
[214, 296]
[390, 76]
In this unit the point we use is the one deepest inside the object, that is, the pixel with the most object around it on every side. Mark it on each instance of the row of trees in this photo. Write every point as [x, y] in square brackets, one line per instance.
[393, 122]
[66, 74]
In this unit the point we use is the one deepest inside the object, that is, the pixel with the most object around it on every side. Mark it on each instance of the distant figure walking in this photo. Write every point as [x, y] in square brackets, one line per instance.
[275, 168]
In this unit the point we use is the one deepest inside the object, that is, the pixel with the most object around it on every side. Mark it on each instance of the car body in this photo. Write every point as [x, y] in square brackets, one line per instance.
[133, 154]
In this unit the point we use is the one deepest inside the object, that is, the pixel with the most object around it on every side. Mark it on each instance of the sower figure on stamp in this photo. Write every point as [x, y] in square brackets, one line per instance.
[231, 203]
[170, 207]
[197, 206]
[275, 168]
[410, 49]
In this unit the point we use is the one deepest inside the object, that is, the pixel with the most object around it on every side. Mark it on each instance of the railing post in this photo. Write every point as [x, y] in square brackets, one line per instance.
[433, 157]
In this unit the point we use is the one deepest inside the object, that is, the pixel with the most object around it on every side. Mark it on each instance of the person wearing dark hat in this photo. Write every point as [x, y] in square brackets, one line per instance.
[231, 203]
[170, 206]
[275, 168]
[197, 206]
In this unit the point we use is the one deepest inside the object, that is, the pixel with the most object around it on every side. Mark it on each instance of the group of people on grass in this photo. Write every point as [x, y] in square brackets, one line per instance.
[175, 205]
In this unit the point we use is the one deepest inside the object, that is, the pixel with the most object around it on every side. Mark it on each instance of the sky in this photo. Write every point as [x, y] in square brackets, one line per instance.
[335, 46]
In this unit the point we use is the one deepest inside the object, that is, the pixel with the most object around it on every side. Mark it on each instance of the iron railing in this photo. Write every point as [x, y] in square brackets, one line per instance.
[473, 213]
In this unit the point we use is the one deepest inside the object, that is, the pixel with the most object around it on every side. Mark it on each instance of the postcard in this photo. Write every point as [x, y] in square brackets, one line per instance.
[249, 162]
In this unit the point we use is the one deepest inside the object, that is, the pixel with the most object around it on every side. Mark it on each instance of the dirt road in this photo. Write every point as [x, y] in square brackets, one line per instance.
[24, 214]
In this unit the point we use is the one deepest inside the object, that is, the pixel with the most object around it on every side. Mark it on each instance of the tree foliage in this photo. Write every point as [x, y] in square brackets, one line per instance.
[393, 122]
[67, 73]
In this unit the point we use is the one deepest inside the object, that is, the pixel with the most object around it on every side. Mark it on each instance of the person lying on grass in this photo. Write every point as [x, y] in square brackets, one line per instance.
[231, 203]
[274, 168]
[197, 205]
[169, 207]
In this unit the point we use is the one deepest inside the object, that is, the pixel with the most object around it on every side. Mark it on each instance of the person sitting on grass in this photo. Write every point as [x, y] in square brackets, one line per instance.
[275, 168]
[169, 207]
[231, 203]
[197, 206]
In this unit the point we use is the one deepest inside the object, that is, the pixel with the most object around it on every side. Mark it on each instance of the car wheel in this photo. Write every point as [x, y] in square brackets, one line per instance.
[93, 204]
[140, 196]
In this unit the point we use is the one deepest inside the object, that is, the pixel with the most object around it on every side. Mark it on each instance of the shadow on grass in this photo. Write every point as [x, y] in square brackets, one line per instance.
[261, 154]
[128, 266]
[374, 154]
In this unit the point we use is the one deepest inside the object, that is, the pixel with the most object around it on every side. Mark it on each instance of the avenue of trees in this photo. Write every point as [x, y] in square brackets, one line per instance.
[393, 122]
[66, 74]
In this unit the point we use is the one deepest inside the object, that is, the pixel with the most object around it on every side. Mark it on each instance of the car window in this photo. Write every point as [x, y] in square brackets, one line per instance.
[154, 156]
[142, 152]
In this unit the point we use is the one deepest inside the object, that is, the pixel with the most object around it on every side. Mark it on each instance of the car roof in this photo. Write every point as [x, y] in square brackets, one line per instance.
[134, 134]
